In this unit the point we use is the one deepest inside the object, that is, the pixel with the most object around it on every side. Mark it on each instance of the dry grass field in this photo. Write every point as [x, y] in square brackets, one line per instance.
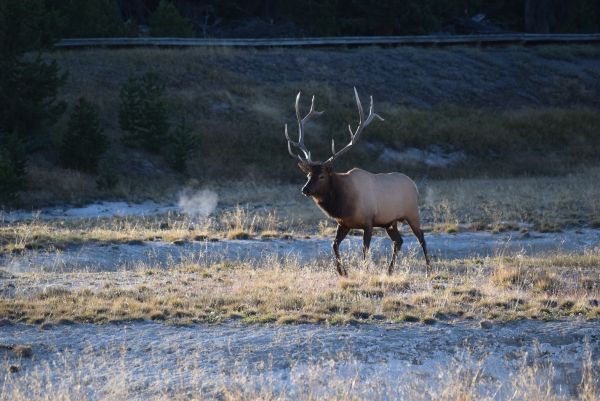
[507, 286]
[248, 210]
[486, 293]
[502, 288]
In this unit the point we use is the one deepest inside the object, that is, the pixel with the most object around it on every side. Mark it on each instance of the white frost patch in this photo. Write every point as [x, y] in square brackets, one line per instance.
[92, 211]
[96, 257]
[193, 203]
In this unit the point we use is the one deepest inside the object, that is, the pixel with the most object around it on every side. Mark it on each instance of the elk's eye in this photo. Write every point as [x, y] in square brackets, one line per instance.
[321, 177]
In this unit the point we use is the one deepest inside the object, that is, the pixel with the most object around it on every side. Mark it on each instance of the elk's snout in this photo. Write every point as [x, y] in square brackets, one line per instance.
[305, 190]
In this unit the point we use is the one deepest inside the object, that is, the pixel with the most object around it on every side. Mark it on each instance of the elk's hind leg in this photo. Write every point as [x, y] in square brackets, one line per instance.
[396, 237]
[367, 234]
[416, 229]
[340, 234]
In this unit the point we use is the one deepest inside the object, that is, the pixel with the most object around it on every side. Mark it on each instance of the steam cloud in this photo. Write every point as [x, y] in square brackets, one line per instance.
[198, 203]
[429, 197]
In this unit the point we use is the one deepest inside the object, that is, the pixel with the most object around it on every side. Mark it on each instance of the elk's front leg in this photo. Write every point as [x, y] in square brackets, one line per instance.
[367, 234]
[340, 234]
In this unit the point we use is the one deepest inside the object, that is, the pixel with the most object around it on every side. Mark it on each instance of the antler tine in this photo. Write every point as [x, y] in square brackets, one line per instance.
[301, 121]
[300, 144]
[361, 114]
[289, 145]
[362, 124]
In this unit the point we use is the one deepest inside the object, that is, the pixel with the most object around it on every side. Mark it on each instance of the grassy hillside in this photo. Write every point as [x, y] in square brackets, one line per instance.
[512, 111]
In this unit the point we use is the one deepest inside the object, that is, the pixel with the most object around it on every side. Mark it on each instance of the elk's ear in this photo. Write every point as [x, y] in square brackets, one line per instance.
[304, 167]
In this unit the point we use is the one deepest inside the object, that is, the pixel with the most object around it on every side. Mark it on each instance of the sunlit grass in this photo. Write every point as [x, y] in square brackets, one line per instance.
[545, 204]
[285, 291]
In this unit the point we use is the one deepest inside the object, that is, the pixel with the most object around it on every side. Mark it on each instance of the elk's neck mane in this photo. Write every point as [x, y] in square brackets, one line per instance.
[336, 203]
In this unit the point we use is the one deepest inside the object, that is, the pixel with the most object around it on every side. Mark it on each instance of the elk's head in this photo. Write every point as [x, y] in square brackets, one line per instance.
[319, 178]
[319, 173]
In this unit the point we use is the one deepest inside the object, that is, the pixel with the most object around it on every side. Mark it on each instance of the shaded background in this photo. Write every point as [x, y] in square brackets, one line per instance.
[217, 114]
[274, 18]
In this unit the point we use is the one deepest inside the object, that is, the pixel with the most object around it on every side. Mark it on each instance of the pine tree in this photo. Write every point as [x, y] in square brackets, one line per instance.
[182, 144]
[89, 18]
[28, 88]
[143, 113]
[166, 21]
[84, 143]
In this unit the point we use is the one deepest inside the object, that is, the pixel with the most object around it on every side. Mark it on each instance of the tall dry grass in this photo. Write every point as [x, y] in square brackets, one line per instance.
[75, 377]
[561, 286]
[257, 210]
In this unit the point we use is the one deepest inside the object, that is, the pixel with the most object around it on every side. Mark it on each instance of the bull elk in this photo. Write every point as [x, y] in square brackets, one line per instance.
[358, 199]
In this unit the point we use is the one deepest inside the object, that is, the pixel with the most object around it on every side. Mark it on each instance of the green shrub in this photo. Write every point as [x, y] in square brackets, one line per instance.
[182, 144]
[84, 143]
[166, 21]
[143, 113]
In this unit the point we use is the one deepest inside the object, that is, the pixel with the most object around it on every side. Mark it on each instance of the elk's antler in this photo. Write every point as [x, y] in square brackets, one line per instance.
[301, 121]
[355, 136]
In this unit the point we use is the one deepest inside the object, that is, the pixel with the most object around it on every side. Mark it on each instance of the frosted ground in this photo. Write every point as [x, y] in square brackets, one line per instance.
[146, 360]
[141, 360]
[113, 257]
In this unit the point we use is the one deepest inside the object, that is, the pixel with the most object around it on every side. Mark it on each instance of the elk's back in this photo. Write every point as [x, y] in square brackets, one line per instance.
[382, 199]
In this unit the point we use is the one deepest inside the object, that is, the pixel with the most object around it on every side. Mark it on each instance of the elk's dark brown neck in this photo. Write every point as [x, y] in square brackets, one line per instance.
[336, 202]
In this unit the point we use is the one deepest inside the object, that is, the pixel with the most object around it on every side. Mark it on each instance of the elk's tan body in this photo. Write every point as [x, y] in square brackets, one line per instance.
[373, 200]
[358, 199]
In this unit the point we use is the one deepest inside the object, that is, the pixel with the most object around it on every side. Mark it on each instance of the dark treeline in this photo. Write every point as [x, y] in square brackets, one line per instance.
[381, 17]
[264, 18]
[30, 104]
